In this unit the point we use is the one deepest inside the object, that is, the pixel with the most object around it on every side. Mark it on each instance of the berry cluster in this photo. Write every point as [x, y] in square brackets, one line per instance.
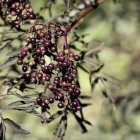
[43, 63]
[14, 12]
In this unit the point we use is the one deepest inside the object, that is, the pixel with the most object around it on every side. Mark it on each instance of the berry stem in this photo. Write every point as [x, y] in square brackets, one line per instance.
[65, 41]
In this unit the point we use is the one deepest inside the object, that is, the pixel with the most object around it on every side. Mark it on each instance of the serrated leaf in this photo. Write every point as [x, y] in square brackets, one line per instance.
[9, 62]
[15, 126]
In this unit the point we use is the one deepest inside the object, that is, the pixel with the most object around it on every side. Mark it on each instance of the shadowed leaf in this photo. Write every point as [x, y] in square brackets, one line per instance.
[41, 115]
[9, 62]
[61, 129]
[82, 68]
[28, 108]
[2, 129]
[56, 115]
[17, 103]
[79, 120]
[15, 126]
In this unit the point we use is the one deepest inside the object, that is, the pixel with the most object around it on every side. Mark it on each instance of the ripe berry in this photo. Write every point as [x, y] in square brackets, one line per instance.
[19, 62]
[74, 71]
[76, 57]
[44, 79]
[24, 68]
[79, 108]
[51, 100]
[43, 105]
[42, 62]
[70, 90]
[38, 51]
[28, 40]
[70, 78]
[46, 101]
[60, 105]
[17, 26]
[47, 43]
[24, 53]
[45, 69]
[48, 77]
[27, 75]
[39, 75]
[75, 104]
[32, 16]
[51, 66]
[33, 79]
[77, 92]
[53, 49]
[60, 95]
[38, 100]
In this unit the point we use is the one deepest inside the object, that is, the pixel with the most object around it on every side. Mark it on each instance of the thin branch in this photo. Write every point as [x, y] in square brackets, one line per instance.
[88, 10]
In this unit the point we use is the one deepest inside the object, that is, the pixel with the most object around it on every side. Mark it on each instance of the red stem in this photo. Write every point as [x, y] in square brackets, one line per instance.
[89, 9]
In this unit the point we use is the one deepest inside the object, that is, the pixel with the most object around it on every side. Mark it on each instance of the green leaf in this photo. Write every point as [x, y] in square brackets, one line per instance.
[15, 126]
[17, 103]
[9, 62]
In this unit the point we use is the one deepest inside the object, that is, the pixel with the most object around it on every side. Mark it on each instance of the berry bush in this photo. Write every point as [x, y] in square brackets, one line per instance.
[46, 64]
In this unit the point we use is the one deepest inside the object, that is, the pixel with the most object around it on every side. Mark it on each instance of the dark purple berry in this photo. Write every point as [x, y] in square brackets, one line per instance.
[51, 100]
[38, 51]
[76, 57]
[39, 75]
[75, 104]
[24, 53]
[70, 90]
[28, 40]
[53, 49]
[38, 100]
[79, 108]
[77, 92]
[33, 79]
[24, 68]
[60, 105]
[27, 75]
[51, 66]
[74, 71]
[43, 105]
[70, 78]
[19, 62]
[42, 62]
[48, 77]
[44, 79]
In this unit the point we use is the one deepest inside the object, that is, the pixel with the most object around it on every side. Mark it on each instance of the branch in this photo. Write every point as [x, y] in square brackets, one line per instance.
[88, 10]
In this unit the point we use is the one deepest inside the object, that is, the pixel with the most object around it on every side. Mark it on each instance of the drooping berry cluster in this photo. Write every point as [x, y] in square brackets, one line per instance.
[15, 12]
[56, 70]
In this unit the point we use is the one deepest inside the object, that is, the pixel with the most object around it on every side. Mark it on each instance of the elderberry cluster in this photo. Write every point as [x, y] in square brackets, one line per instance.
[43, 63]
[15, 12]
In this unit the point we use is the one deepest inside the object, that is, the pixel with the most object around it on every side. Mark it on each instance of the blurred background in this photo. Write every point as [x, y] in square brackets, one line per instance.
[118, 27]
